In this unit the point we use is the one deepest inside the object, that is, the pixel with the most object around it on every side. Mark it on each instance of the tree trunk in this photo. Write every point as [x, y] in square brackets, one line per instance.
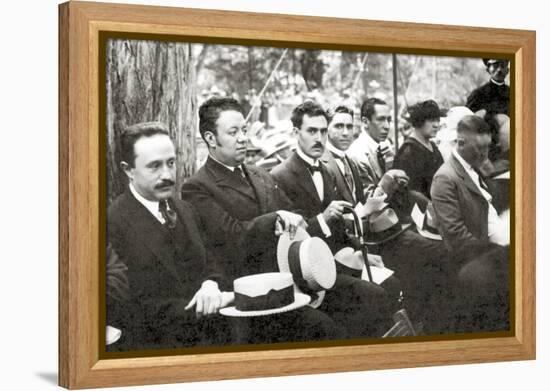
[150, 81]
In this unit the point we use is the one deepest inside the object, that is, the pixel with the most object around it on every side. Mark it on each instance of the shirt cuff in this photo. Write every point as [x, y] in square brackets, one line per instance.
[323, 225]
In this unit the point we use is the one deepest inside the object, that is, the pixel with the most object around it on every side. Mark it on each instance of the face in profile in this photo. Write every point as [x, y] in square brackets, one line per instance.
[498, 69]
[340, 131]
[378, 126]
[312, 135]
[153, 173]
[430, 128]
[474, 148]
[228, 145]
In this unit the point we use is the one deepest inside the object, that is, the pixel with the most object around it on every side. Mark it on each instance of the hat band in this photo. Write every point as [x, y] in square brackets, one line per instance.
[271, 300]
[295, 267]
[344, 269]
[382, 235]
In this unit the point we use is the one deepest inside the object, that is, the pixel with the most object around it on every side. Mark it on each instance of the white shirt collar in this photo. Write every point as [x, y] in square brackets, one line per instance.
[230, 168]
[496, 82]
[151, 206]
[306, 158]
[334, 150]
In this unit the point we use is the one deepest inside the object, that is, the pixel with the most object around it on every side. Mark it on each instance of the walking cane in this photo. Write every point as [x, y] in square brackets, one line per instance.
[362, 245]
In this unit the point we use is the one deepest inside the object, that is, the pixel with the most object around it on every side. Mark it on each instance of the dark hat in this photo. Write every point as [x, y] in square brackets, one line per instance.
[489, 61]
[383, 226]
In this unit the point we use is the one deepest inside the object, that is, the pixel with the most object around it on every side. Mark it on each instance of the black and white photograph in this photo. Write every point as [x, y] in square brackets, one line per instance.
[261, 195]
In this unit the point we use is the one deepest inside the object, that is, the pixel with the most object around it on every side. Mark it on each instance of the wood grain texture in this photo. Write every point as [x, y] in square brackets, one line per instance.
[79, 196]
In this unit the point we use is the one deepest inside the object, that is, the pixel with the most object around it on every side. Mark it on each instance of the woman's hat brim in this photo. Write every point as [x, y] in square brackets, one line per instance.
[300, 300]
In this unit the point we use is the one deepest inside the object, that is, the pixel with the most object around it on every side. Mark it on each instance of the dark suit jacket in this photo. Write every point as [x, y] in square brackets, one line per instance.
[461, 209]
[341, 185]
[490, 97]
[294, 178]
[238, 218]
[162, 271]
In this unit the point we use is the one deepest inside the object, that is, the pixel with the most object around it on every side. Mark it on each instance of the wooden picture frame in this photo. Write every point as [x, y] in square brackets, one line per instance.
[80, 249]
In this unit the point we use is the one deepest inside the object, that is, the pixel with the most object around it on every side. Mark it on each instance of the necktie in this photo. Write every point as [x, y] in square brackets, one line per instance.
[347, 172]
[481, 181]
[381, 160]
[238, 171]
[168, 213]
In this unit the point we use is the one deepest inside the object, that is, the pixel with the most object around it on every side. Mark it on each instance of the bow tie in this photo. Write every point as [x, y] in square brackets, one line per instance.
[313, 169]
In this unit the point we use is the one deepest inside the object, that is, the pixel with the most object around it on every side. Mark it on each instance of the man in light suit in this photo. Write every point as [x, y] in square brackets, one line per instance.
[372, 151]
[158, 269]
[471, 229]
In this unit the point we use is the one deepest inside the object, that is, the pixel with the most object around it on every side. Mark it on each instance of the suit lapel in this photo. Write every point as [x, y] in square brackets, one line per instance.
[225, 178]
[341, 183]
[461, 172]
[259, 187]
[303, 178]
[150, 230]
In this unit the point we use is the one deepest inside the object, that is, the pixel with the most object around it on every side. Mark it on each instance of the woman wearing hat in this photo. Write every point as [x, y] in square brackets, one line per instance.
[419, 156]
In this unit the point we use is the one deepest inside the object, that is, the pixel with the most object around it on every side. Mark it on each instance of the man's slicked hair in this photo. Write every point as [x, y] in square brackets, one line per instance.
[310, 108]
[367, 108]
[133, 133]
[473, 124]
[340, 109]
[210, 110]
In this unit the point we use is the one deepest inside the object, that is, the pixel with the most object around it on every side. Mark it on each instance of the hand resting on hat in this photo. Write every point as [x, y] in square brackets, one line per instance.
[288, 222]
[208, 299]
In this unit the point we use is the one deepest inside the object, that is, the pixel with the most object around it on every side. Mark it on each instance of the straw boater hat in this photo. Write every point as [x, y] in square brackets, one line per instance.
[265, 294]
[426, 223]
[310, 262]
[382, 226]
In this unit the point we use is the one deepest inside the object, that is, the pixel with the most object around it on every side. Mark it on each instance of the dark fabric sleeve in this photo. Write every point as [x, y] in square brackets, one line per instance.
[474, 101]
[412, 162]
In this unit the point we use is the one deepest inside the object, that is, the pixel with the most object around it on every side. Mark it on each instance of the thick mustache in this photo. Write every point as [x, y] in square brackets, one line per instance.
[165, 183]
[320, 145]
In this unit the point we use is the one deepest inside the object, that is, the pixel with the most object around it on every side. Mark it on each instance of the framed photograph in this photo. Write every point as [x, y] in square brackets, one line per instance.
[187, 249]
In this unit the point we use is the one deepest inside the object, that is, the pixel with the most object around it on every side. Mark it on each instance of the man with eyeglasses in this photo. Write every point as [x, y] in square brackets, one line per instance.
[493, 96]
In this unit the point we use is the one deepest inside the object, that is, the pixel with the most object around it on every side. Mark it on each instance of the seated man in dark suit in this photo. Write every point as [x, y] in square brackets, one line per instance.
[242, 211]
[472, 230]
[313, 191]
[158, 269]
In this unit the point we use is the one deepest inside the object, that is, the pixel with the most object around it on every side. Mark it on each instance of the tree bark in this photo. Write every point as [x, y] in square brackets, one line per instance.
[150, 81]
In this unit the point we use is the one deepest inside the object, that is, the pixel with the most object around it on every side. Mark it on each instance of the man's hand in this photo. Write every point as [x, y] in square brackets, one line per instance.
[207, 299]
[335, 210]
[289, 222]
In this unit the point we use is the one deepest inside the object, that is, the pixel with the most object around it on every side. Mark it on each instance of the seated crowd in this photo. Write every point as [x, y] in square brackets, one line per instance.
[335, 242]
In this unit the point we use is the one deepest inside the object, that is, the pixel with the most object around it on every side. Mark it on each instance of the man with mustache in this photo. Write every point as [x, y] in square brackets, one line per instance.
[493, 96]
[163, 290]
[360, 305]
